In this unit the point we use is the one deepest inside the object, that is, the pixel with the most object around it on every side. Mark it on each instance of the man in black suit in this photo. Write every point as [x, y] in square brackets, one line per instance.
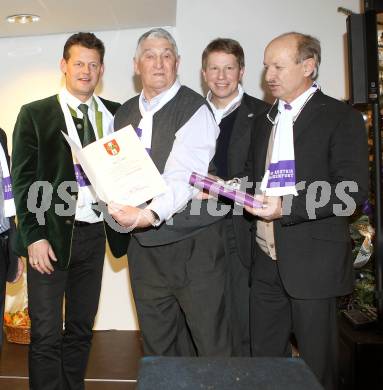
[11, 267]
[223, 65]
[303, 254]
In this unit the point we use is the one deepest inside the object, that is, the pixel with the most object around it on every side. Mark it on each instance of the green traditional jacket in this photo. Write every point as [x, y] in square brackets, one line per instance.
[41, 154]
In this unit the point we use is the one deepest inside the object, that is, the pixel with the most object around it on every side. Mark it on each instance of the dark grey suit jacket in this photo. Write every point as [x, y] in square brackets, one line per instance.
[330, 142]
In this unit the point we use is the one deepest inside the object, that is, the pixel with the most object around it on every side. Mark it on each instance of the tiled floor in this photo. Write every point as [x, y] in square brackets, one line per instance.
[113, 363]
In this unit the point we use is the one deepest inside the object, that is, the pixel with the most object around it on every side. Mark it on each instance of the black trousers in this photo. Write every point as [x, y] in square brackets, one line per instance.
[274, 315]
[180, 295]
[57, 357]
[238, 294]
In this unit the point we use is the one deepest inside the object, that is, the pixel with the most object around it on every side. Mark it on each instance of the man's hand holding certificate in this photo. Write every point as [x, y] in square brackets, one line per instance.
[119, 168]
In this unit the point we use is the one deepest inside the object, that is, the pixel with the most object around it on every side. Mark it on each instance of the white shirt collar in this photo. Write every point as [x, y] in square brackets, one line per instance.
[301, 100]
[220, 113]
[150, 105]
[74, 102]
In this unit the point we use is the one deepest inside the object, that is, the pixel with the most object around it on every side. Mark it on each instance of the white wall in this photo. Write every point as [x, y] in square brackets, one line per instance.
[29, 70]
[254, 23]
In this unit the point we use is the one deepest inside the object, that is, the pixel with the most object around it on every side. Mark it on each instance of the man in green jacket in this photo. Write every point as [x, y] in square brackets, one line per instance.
[59, 230]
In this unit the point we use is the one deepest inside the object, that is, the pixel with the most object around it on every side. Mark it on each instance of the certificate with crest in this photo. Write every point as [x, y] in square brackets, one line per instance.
[119, 168]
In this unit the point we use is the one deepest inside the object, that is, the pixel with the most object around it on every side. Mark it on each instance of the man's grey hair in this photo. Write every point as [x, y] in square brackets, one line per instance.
[307, 47]
[156, 33]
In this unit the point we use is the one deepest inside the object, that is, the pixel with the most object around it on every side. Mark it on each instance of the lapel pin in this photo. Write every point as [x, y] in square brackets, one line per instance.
[250, 115]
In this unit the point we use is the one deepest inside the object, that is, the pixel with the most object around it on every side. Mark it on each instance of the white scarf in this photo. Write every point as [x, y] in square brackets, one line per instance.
[145, 127]
[280, 176]
[9, 202]
[86, 194]
[220, 113]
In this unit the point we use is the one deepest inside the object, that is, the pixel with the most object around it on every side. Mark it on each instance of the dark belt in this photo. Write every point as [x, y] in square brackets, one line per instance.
[84, 224]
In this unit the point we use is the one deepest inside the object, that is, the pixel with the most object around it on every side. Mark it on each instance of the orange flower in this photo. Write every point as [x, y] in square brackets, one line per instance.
[7, 319]
[19, 318]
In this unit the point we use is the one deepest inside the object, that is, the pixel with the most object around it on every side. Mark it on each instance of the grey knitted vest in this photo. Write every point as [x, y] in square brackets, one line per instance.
[166, 122]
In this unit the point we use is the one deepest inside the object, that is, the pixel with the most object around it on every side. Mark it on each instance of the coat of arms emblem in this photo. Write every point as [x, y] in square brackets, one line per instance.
[112, 147]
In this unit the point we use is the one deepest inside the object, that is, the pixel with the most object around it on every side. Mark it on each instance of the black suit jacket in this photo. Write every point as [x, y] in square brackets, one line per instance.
[330, 142]
[237, 153]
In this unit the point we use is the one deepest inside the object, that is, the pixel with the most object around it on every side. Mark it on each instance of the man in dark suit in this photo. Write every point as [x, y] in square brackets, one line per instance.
[223, 66]
[310, 152]
[59, 230]
[11, 267]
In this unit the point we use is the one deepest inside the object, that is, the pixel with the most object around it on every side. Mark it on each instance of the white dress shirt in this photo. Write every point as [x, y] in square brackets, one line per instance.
[84, 212]
[192, 151]
[220, 113]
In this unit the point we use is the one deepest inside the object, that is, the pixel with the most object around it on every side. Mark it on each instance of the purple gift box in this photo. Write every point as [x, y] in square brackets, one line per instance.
[216, 188]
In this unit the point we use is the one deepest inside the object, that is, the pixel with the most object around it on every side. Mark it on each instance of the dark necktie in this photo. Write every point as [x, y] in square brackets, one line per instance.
[89, 136]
